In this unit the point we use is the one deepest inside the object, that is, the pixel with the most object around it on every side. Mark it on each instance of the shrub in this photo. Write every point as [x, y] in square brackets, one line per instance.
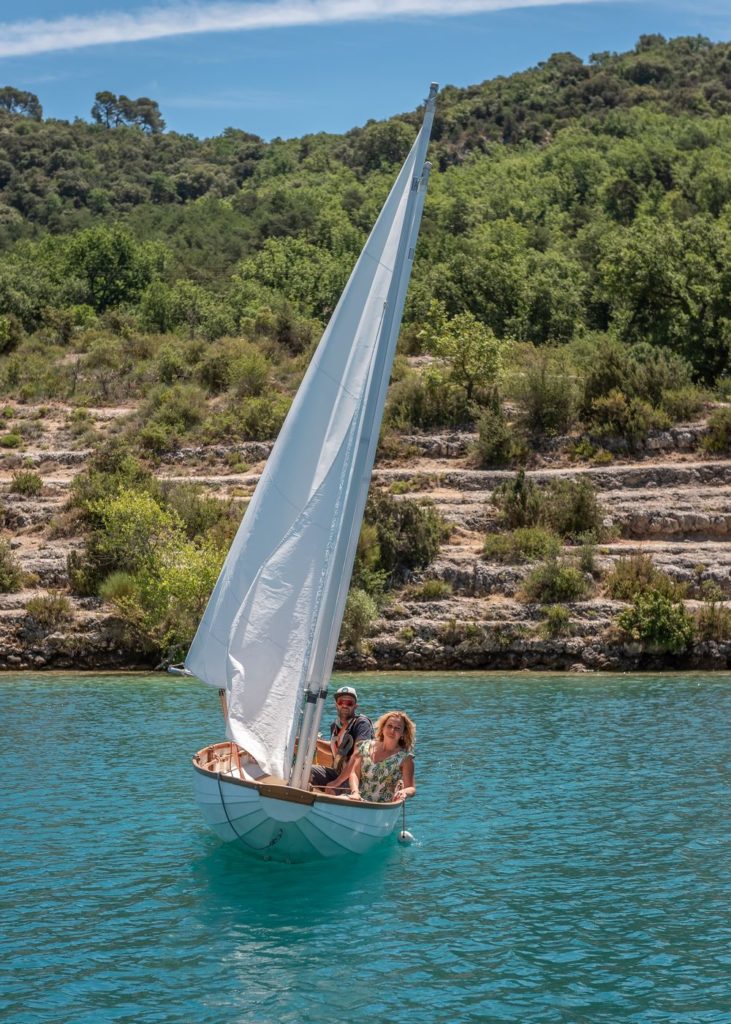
[199, 513]
[360, 612]
[118, 586]
[165, 600]
[159, 438]
[11, 440]
[683, 403]
[50, 610]
[526, 544]
[11, 575]
[554, 581]
[430, 590]
[132, 528]
[546, 395]
[640, 371]
[178, 406]
[636, 574]
[587, 554]
[712, 621]
[261, 418]
[173, 362]
[368, 572]
[718, 437]
[80, 422]
[26, 482]
[419, 402]
[568, 507]
[249, 374]
[519, 502]
[112, 468]
[495, 445]
[408, 533]
[614, 415]
[657, 620]
[557, 622]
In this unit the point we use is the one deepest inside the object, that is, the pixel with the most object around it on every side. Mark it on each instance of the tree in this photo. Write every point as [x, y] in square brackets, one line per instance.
[15, 101]
[111, 265]
[112, 111]
[471, 350]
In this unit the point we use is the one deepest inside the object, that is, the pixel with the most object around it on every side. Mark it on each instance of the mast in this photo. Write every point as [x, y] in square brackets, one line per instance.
[340, 570]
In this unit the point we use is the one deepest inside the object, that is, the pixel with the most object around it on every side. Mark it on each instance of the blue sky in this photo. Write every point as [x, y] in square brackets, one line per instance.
[289, 67]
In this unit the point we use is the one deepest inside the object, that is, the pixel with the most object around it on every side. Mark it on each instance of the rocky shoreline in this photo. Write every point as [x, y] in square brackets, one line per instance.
[669, 500]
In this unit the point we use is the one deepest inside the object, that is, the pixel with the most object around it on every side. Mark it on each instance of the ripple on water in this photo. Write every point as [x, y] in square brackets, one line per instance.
[570, 863]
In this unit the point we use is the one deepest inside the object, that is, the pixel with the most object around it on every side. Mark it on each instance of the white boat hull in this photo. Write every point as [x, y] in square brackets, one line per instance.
[276, 822]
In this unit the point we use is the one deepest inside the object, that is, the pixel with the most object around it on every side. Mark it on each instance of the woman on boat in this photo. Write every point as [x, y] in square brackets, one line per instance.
[382, 769]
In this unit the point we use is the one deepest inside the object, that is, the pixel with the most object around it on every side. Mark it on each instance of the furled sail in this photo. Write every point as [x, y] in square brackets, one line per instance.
[276, 609]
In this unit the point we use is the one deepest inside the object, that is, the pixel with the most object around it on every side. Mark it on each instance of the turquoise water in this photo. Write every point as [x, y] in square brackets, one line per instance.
[571, 865]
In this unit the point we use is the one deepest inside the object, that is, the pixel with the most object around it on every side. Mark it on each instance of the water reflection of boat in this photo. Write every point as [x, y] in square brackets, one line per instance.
[268, 637]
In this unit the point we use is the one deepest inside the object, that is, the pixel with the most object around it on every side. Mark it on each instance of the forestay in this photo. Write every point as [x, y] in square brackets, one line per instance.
[275, 613]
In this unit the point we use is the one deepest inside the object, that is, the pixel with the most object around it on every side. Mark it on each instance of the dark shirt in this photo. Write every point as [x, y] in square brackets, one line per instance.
[359, 728]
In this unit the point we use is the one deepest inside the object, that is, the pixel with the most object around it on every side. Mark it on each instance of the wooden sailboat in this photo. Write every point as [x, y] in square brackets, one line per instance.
[268, 637]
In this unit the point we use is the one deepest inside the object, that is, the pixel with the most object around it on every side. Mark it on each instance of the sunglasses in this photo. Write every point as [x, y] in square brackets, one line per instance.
[345, 702]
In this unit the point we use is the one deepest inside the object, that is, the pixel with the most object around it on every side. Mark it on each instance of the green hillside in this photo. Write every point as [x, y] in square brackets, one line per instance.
[571, 299]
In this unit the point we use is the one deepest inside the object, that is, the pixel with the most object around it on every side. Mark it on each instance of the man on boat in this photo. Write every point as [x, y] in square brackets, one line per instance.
[349, 729]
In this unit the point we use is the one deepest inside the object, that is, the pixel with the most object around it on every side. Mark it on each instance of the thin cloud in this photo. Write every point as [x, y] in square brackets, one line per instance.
[75, 32]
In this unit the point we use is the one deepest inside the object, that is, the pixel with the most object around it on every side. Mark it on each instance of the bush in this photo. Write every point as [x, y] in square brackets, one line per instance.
[718, 437]
[526, 544]
[557, 622]
[163, 602]
[408, 534]
[11, 575]
[568, 507]
[249, 374]
[641, 371]
[519, 502]
[426, 402]
[27, 483]
[587, 554]
[712, 621]
[636, 574]
[546, 395]
[112, 468]
[658, 621]
[554, 581]
[132, 529]
[682, 404]
[11, 440]
[495, 446]
[50, 610]
[614, 415]
[360, 612]
[430, 590]
[199, 513]
[261, 418]
[118, 586]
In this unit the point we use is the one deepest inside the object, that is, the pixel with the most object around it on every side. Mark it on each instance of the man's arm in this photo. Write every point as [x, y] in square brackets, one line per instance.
[363, 729]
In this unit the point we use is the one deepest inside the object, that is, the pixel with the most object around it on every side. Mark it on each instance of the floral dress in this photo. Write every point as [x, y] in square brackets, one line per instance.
[378, 781]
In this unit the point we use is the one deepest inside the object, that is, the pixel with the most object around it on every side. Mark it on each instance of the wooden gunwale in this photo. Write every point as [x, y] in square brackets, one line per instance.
[277, 789]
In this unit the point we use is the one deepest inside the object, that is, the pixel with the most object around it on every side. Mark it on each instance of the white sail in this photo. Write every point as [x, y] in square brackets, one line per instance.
[264, 625]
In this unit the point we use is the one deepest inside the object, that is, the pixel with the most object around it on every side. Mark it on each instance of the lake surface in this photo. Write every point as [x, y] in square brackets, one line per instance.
[572, 863]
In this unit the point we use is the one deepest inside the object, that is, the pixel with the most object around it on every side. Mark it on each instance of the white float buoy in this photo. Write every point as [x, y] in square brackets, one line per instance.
[405, 837]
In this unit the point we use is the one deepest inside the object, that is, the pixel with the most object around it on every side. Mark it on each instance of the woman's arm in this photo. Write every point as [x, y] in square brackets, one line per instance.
[407, 786]
[354, 778]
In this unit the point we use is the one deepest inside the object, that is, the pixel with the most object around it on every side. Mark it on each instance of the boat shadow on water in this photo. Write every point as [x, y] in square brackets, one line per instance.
[233, 884]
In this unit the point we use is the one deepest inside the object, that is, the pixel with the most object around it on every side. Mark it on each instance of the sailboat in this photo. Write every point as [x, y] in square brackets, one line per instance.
[268, 637]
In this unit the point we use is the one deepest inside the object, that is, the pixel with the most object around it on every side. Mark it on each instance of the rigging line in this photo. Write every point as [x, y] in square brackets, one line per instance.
[272, 842]
[225, 809]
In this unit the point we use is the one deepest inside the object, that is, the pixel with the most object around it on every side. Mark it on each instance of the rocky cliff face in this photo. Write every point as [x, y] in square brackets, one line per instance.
[669, 501]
